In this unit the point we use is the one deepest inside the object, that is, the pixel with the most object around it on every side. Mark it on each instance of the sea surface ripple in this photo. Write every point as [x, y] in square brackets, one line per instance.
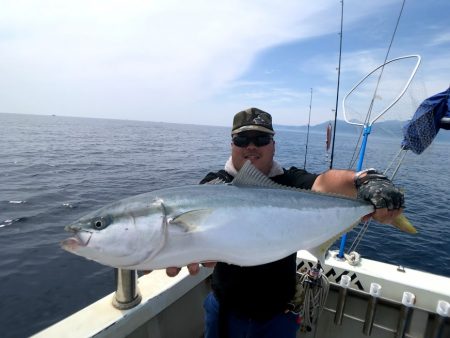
[55, 169]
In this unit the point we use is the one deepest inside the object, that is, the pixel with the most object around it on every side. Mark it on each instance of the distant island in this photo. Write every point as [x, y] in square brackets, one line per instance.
[392, 128]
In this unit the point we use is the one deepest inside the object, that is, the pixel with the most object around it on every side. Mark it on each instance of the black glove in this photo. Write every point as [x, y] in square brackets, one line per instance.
[378, 190]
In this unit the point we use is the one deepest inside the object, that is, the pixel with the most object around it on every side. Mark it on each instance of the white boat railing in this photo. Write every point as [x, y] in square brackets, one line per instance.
[409, 303]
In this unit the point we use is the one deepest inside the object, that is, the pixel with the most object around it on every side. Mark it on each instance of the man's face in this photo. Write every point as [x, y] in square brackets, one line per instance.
[245, 147]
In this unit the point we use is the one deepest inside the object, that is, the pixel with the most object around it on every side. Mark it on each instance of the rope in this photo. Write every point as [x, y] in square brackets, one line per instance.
[382, 68]
[401, 157]
[392, 162]
[354, 157]
[359, 236]
[310, 297]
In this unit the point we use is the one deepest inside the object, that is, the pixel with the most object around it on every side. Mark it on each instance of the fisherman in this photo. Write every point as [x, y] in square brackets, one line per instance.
[253, 301]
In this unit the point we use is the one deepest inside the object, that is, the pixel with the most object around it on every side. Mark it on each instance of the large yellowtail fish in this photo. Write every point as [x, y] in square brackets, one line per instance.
[249, 222]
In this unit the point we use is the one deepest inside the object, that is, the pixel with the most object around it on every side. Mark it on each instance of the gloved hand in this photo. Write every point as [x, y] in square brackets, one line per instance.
[378, 190]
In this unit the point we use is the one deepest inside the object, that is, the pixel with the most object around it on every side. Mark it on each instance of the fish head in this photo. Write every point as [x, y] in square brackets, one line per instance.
[118, 235]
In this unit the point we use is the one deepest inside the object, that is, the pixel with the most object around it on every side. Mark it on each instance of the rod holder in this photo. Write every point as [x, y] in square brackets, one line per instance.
[127, 293]
[344, 285]
[375, 293]
[443, 311]
[406, 311]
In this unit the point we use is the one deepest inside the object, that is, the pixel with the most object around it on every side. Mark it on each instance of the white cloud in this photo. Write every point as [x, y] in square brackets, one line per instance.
[442, 38]
[97, 54]
[153, 59]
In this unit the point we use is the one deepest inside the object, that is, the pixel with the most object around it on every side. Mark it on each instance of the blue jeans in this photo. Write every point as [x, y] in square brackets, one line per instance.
[283, 325]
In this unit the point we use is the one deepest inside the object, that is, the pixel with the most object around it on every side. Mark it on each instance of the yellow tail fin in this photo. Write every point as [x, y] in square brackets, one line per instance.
[403, 224]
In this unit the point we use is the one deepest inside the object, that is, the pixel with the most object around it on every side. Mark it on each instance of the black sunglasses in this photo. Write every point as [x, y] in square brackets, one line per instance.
[242, 141]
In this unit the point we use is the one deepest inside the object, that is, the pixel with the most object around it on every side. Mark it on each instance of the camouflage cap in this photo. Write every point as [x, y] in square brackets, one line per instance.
[252, 119]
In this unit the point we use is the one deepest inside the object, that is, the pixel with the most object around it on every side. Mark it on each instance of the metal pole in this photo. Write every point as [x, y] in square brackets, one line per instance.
[127, 293]
[367, 130]
[375, 292]
[442, 311]
[405, 314]
[340, 307]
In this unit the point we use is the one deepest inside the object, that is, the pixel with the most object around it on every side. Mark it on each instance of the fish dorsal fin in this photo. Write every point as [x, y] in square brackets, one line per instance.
[189, 220]
[249, 176]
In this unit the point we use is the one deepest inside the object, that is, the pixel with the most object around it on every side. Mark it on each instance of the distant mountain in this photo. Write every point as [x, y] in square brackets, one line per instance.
[391, 128]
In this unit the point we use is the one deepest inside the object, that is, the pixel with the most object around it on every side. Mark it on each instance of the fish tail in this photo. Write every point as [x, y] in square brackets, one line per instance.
[403, 224]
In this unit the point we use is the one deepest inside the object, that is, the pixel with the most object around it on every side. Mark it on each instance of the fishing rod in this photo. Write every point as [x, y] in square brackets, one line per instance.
[307, 134]
[338, 83]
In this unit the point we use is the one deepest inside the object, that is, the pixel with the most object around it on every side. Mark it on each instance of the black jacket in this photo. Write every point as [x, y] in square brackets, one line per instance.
[258, 292]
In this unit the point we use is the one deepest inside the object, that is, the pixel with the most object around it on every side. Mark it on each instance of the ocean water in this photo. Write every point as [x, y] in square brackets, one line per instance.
[55, 169]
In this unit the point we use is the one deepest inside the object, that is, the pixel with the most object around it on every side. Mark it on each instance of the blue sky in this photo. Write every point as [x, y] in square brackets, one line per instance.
[202, 61]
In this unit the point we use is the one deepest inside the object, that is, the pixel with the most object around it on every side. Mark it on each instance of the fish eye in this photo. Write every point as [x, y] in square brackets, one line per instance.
[100, 223]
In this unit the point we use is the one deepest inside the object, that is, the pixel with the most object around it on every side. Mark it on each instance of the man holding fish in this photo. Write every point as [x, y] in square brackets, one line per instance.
[251, 301]
[252, 227]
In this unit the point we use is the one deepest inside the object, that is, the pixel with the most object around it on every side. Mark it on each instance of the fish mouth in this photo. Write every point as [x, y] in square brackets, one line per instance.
[80, 239]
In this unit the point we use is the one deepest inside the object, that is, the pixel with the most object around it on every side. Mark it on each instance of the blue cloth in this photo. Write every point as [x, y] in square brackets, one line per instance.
[283, 325]
[432, 115]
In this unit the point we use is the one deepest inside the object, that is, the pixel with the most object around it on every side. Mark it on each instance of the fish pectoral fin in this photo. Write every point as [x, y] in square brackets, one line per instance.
[164, 230]
[320, 251]
[403, 224]
[189, 220]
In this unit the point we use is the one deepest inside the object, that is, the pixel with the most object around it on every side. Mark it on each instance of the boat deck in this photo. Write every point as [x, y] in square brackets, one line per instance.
[173, 306]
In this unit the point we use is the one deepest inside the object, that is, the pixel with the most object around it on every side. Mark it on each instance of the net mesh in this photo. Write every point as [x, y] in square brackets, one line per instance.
[378, 91]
